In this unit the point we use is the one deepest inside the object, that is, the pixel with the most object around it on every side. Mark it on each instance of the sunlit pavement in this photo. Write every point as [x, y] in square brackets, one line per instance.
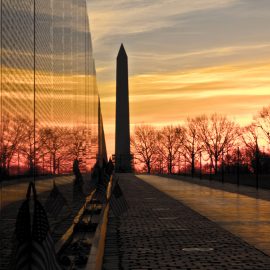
[13, 191]
[160, 232]
[245, 216]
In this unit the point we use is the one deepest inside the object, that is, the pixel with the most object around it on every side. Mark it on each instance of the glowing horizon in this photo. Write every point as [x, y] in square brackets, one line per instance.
[185, 59]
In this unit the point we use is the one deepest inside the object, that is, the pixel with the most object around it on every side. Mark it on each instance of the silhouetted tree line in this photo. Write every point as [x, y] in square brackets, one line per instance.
[48, 150]
[206, 143]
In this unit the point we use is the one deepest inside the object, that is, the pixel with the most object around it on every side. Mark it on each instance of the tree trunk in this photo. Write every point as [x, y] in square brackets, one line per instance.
[192, 164]
[148, 168]
[170, 166]
[54, 164]
[216, 165]
[18, 164]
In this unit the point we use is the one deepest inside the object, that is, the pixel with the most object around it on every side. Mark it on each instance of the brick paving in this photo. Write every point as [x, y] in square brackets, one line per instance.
[12, 196]
[159, 232]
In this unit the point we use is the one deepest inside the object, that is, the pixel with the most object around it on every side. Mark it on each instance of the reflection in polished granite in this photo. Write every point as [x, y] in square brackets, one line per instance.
[244, 216]
[12, 196]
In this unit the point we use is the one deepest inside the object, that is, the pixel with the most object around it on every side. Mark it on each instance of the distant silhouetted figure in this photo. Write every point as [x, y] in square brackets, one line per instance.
[95, 174]
[78, 194]
[76, 170]
[109, 168]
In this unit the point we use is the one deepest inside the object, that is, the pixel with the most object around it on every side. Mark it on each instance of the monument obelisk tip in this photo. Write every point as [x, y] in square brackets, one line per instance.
[122, 51]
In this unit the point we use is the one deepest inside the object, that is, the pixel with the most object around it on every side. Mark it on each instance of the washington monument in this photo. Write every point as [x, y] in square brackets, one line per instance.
[122, 133]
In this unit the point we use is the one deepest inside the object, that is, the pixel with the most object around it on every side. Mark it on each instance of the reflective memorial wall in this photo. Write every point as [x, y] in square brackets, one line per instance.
[50, 111]
[49, 99]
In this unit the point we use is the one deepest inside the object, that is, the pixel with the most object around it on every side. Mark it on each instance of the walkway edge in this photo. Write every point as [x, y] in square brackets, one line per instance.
[95, 260]
[67, 236]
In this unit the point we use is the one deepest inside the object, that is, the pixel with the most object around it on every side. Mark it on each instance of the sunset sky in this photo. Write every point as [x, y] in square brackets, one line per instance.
[186, 58]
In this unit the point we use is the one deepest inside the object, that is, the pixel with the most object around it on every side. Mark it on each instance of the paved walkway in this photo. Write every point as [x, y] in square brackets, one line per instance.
[160, 232]
[247, 216]
[249, 191]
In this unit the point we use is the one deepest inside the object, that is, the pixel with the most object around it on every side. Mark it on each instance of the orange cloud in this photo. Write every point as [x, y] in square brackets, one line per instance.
[238, 91]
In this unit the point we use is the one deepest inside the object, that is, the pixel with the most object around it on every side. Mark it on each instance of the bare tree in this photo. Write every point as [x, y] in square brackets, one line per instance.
[11, 138]
[250, 137]
[144, 144]
[171, 139]
[191, 144]
[263, 121]
[27, 147]
[218, 134]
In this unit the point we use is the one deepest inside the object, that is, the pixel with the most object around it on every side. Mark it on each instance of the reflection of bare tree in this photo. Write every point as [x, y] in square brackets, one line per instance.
[144, 144]
[54, 142]
[11, 138]
[217, 134]
[26, 148]
[76, 142]
[53, 147]
[171, 139]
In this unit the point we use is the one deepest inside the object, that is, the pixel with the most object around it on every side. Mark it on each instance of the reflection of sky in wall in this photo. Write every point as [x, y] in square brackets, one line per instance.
[186, 57]
[65, 86]
[64, 61]
[68, 39]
